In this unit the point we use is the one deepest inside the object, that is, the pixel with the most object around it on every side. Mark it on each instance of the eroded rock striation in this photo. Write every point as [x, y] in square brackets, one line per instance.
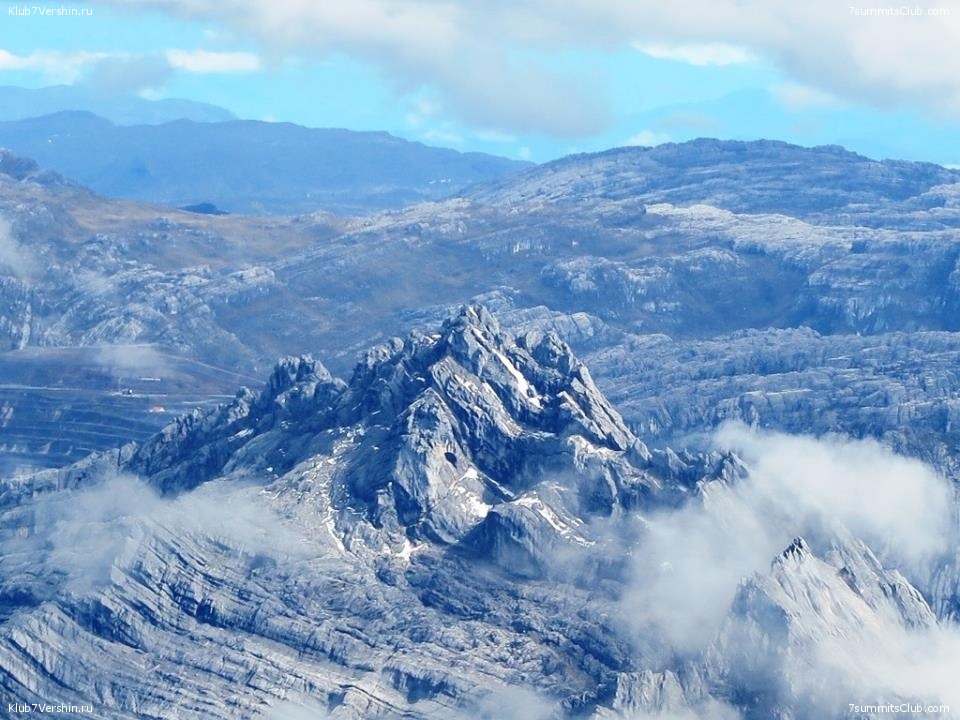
[447, 534]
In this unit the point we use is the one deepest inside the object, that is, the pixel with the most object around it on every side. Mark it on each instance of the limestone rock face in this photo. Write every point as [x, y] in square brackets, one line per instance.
[457, 527]
[413, 501]
[451, 531]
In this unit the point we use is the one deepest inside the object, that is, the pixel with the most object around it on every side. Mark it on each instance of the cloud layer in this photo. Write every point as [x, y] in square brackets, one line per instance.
[82, 536]
[57, 67]
[492, 61]
[127, 73]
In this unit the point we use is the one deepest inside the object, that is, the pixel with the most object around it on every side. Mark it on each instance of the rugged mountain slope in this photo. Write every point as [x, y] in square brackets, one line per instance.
[244, 166]
[79, 273]
[460, 419]
[467, 449]
[798, 640]
[579, 244]
[642, 269]
[652, 268]
[762, 176]
[452, 533]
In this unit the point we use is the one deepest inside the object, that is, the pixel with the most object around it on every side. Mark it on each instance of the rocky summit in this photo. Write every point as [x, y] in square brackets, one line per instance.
[465, 529]
[379, 546]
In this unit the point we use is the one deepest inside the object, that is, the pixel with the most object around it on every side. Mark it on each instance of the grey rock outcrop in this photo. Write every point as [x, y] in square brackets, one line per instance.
[449, 528]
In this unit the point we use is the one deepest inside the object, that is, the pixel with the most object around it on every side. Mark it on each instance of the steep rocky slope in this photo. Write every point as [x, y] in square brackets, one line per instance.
[586, 245]
[461, 530]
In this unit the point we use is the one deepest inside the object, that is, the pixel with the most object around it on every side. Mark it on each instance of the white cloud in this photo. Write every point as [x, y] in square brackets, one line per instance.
[207, 62]
[699, 54]
[902, 61]
[799, 97]
[133, 360]
[423, 110]
[918, 665]
[492, 136]
[57, 67]
[512, 702]
[468, 51]
[126, 74]
[646, 138]
[453, 47]
[709, 710]
[797, 486]
[444, 137]
[9, 61]
[81, 536]
[898, 505]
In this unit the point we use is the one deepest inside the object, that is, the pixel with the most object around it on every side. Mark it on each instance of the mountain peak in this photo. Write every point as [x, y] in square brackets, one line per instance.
[797, 551]
[434, 435]
[24, 169]
[18, 168]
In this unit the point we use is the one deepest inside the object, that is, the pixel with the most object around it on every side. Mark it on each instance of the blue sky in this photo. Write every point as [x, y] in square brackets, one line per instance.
[526, 79]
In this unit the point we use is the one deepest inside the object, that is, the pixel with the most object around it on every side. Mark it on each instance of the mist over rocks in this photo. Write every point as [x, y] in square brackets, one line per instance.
[467, 521]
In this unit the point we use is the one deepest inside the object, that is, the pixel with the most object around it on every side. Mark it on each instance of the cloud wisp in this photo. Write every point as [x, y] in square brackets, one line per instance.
[128, 73]
[689, 565]
[699, 55]
[55, 66]
[208, 62]
[797, 486]
[14, 258]
[133, 360]
[78, 538]
[486, 78]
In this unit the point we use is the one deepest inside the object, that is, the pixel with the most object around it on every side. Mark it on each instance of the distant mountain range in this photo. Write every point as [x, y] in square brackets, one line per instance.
[18, 103]
[250, 167]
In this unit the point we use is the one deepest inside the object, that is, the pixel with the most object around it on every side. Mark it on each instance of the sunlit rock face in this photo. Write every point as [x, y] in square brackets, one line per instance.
[440, 479]
[462, 524]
